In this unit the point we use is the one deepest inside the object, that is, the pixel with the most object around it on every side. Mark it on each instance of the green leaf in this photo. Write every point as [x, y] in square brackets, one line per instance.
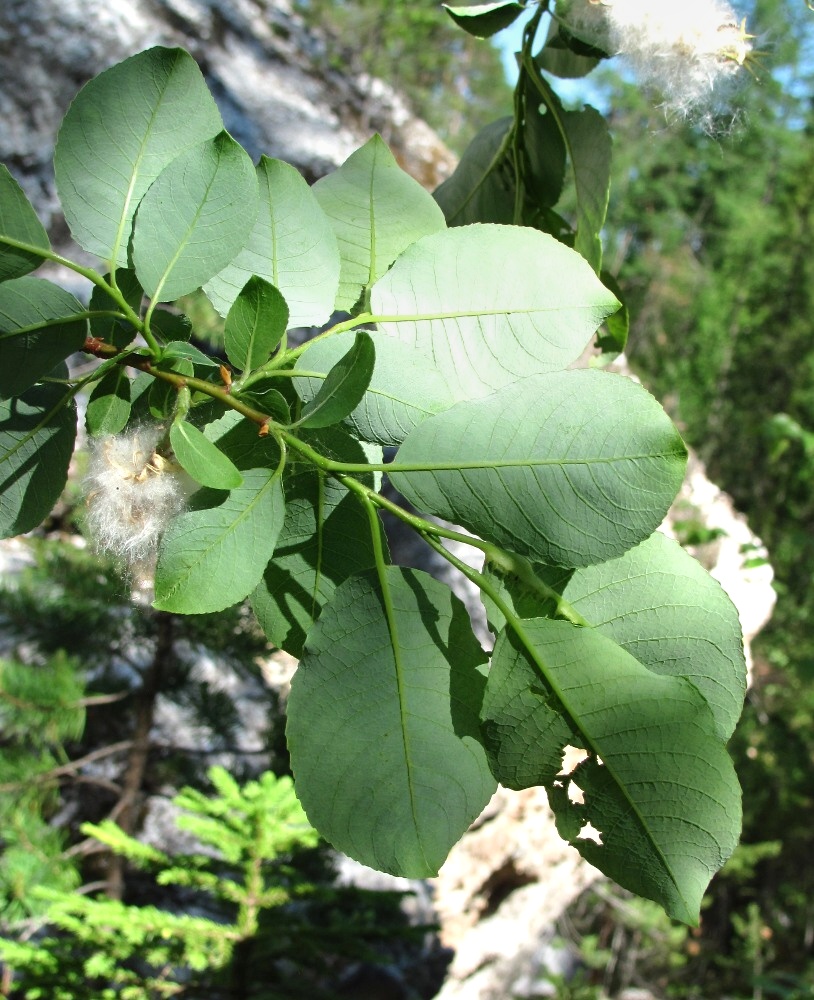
[37, 435]
[491, 304]
[485, 19]
[114, 331]
[178, 350]
[617, 327]
[566, 56]
[405, 387]
[194, 218]
[543, 149]
[325, 539]
[377, 211]
[482, 186]
[344, 385]
[292, 246]
[265, 397]
[108, 407]
[658, 784]
[214, 554]
[201, 459]
[38, 328]
[569, 469]
[122, 129]
[589, 147]
[18, 225]
[255, 324]
[382, 723]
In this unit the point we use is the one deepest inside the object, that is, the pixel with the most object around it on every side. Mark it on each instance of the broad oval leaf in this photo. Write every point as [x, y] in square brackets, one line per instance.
[569, 469]
[37, 435]
[491, 304]
[485, 19]
[377, 211]
[382, 722]
[194, 218]
[40, 325]
[122, 129]
[658, 784]
[18, 225]
[325, 539]
[292, 246]
[405, 387]
[255, 324]
[202, 459]
[344, 385]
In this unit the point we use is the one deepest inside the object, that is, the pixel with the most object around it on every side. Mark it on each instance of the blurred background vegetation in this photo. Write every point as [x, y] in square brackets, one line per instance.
[711, 238]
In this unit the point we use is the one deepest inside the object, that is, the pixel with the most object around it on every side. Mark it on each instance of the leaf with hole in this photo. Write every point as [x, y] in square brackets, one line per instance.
[658, 785]
[382, 722]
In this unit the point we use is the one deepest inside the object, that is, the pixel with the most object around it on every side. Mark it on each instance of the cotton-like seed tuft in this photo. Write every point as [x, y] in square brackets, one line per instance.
[132, 495]
[690, 50]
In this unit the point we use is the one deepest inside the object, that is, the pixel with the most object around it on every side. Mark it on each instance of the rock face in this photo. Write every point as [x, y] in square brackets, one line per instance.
[267, 72]
[511, 877]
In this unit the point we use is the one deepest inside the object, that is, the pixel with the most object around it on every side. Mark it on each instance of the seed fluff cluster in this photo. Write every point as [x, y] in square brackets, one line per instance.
[132, 494]
[689, 50]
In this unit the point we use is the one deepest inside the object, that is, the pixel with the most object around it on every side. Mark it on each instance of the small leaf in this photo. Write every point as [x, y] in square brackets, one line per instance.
[18, 224]
[40, 325]
[263, 396]
[377, 211]
[325, 539]
[485, 19]
[37, 436]
[658, 784]
[204, 461]
[292, 246]
[482, 186]
[617, 326]
[194, 218]
[491, 304]
[382, 722]
[255, 324]
[108, 407]
[566, 56]
[173, 328]
[569, 469]
[179, 349]
[122, 129]
[405, 387]
[344, 385]
[589, 147]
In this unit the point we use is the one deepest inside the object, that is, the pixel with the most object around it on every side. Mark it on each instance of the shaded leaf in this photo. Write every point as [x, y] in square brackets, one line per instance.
[18, 224]
[481, 188]
[377, 211]
[485, 19]
[38, 328]
[325, 539]
[108, 408]
[382, 722]
[570, 468]
[115, 331]
[292, 246]
[194, 218]
[122, 129]
[37, 435]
